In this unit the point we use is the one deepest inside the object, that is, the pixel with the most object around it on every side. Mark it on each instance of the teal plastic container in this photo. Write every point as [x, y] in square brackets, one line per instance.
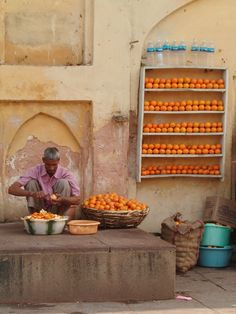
[215, 257]
[216, 235]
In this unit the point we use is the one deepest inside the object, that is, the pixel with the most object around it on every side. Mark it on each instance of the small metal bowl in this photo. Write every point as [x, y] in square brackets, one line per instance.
[83, 226]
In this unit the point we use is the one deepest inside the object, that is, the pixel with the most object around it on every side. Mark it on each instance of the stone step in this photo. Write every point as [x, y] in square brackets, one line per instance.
[112, 265]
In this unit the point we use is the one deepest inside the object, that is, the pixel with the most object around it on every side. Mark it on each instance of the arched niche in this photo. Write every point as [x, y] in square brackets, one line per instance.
[27, 146]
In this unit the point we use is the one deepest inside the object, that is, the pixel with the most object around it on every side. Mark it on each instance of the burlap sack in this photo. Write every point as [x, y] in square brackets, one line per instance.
[186, 236]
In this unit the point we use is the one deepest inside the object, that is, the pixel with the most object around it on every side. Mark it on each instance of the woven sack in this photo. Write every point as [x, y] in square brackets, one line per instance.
[186, 236]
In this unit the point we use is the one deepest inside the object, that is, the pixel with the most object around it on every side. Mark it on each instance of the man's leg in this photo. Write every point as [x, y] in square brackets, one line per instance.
[33, 204]
[63, 188]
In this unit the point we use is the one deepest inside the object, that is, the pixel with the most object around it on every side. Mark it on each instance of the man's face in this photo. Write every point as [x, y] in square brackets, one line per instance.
[50, 166]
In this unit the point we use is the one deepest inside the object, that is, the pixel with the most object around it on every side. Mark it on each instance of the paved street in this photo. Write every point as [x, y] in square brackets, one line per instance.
[212, 291]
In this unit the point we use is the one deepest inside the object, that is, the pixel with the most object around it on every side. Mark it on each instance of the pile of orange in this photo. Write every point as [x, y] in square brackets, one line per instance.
[112, 201]
[184, 105]
[179, 149]
[183, 127]
[183, 82]
[181, 169]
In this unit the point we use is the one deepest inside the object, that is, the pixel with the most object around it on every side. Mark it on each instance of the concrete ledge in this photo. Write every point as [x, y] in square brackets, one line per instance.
[113, 265]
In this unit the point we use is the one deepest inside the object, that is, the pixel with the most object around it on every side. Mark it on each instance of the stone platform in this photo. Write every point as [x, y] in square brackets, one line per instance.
[112, 265]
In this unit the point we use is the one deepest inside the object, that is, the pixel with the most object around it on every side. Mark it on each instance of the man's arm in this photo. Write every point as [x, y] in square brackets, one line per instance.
[17, 190]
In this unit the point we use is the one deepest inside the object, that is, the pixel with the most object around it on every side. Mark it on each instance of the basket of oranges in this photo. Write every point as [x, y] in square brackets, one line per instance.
[114, 211]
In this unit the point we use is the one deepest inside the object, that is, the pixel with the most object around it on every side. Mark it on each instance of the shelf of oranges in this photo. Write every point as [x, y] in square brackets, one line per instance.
[206, 171]
[181, 150]
[169, 91]
[183, 83]
[184, 106]
[184, 128]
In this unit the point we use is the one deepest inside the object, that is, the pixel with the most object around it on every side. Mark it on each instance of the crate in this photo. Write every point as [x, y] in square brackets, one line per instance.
[220, 210]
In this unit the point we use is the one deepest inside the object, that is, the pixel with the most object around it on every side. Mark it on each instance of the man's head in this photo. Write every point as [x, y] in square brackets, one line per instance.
[51, 158]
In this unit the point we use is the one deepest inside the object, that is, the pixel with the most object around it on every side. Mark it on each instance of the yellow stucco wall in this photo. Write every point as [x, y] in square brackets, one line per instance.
[120, 30]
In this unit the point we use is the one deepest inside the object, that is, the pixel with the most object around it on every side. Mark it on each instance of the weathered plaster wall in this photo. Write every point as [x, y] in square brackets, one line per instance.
[110, 84]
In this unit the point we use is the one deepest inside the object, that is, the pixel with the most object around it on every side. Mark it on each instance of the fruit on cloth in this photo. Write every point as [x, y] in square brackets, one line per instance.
[113, 201]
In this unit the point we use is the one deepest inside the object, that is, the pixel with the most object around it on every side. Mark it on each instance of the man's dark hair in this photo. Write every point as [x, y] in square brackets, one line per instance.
[51, 153]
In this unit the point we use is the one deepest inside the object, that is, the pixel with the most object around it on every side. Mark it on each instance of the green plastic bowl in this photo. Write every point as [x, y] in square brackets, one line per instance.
[216, 235]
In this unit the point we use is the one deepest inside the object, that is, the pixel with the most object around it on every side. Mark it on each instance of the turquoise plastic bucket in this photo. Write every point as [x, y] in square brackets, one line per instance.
[214, 257]
[216, 235]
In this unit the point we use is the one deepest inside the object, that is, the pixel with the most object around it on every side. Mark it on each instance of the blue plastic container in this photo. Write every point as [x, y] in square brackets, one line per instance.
[216, 235]
[214, 257]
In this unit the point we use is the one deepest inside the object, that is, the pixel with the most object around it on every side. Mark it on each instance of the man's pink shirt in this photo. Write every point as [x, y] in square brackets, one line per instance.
[39, 173]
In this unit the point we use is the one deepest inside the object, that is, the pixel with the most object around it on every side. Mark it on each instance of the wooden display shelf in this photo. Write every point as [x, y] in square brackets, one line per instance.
[177, 94]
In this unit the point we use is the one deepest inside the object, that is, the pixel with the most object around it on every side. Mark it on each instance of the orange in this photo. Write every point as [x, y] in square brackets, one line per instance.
[153, 103]
[187, 80]
[189, 108]
[193, 81]
[148, 85]
[195, 108]
[220, 81]
[174, 80]
[208, 124]
[209, 85]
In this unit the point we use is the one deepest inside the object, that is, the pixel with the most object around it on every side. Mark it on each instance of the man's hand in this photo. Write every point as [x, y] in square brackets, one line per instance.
[38, 195]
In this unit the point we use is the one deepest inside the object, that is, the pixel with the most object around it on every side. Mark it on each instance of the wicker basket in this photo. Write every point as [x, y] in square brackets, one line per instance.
[116, 219]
